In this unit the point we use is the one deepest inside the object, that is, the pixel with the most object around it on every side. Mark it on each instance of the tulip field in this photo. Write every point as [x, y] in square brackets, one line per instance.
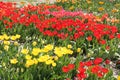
[60, 40]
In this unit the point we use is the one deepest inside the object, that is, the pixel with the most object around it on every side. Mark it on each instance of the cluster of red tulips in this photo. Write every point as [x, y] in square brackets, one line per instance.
[92, 66]
[52, 20]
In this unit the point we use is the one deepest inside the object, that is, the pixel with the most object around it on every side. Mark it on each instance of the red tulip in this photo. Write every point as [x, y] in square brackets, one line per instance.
[118, 36]
[65, 69]
[107, 61]
[71, 66]
[102, 42]
[97, 61]
[89, 38]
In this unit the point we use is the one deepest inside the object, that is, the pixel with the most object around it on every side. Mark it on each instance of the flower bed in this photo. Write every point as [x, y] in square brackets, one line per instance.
[38, 41]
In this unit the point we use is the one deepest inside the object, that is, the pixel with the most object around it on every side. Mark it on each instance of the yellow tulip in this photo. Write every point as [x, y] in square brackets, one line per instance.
[18, 36]
[71, 8]
[114, 10]
[24, 51]
[13, 61]
[6, 37]
[29, 63]
[1, 37]
[36, 51]
[13, 38]
[118, 78]
[16, 43]
[101, 2]
[69, 46]
[100, 9]
[55, 58]
[6, 47]
[78, 49]
[28, 56]
[34, 43]
[53, 64]
[7, 42]
[35, 61]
